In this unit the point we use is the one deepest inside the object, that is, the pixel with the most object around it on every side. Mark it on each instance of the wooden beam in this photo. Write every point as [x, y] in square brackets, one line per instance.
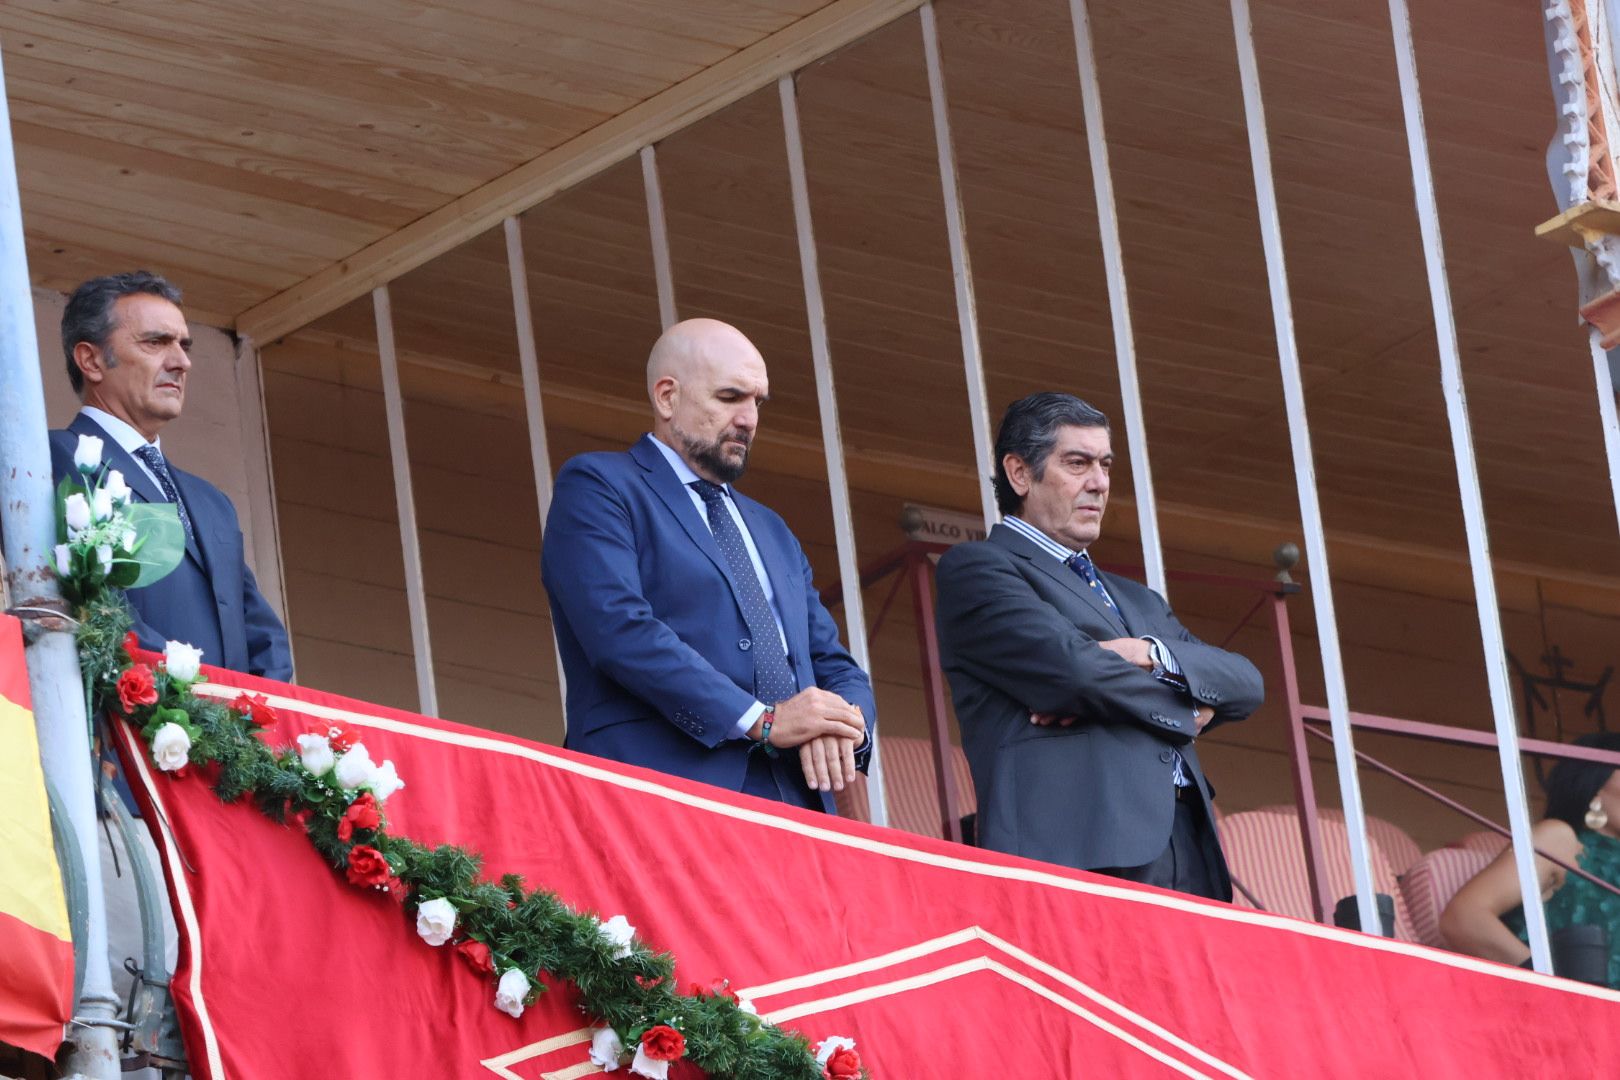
[1570, 227]
[757, 66]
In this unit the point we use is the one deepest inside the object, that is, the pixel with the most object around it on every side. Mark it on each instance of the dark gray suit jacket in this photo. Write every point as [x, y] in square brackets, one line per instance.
[1018, 634]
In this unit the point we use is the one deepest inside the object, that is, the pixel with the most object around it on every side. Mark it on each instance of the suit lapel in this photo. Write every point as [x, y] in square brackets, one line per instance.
[1129, 614]
[662, 479]
[1052, 568]
[204, 544]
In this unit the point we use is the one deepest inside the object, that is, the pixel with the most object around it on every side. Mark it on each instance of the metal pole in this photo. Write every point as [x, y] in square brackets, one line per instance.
[427, 693]
[921, 572]
[967, 312]
[831, 434]
[658, 230]
[1299, 755]
[529, 362]
[1473, 504]
[1118, 299]
[1310, 510]
[1603, 375]
[55, 682]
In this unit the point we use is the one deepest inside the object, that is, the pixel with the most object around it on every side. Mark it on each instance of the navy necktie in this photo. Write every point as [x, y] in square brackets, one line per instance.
[1081, 564]
[773, 679]
[153, 458]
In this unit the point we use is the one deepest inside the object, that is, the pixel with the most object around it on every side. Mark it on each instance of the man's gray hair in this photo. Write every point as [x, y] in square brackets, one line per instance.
[89, 312]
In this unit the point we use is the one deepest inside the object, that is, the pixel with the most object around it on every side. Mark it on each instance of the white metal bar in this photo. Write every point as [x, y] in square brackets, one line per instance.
[1603, 375]
[1299, 437]
[663, 276]
[967, 312]
[529, 363]
[1473, 503]
[1130, 391]
[27, 533]
[831, 434]
[415, 595]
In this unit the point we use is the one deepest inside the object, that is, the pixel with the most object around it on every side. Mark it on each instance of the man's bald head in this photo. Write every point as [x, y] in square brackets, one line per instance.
[706, 382]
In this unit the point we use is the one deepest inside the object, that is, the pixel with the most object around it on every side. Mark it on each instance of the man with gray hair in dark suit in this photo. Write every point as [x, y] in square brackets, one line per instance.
[1078, 692]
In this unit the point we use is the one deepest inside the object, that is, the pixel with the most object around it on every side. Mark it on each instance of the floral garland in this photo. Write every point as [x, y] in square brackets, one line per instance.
[327, 784]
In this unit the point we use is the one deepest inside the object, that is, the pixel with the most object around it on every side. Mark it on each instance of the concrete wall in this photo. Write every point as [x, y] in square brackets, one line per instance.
[220, 437]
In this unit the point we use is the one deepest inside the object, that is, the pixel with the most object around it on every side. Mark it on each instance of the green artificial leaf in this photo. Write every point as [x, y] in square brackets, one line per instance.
[162, 542]
[124, 573]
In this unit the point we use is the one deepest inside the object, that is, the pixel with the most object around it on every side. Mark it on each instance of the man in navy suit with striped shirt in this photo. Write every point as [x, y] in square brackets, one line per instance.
[691, 634]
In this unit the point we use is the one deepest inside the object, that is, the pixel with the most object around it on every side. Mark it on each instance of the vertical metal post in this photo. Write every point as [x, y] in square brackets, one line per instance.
[1310, 510]
[1603, 377]
[56, 685]
[967, 313]
[415, 595]
[1113, 254]
[1473, 504]
[658, 230]
[920, 570]
[529, 363]
[1310, 825]
[831, 433]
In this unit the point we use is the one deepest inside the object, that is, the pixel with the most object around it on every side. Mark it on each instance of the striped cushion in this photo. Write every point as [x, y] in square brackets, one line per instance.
[1430, 885]
[1399, 848]
[912, 790]
[1264, 850]
[1484, 841]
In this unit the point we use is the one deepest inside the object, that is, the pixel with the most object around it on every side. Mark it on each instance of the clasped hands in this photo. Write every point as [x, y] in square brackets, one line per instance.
[825, 728]
[1135, 651]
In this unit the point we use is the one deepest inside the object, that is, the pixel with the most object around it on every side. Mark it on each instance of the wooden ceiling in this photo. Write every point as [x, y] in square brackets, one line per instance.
[259, 159]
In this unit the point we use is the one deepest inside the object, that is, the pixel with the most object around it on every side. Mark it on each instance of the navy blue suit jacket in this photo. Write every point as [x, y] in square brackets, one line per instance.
[211, 599]
[653, 640]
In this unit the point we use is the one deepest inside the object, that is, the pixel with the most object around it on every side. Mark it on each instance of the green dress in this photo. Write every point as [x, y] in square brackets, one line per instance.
[1579, 901]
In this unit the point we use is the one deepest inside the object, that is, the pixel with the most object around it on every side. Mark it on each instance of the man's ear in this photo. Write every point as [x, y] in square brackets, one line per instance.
[91, 362]
[1017, 470]
[665, 392]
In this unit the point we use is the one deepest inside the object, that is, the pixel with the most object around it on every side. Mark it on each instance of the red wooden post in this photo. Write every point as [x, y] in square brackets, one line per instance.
[922, 595]
[1310, 827]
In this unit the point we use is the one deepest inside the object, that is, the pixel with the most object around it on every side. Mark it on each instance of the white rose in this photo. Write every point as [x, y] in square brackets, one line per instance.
[619, 933]
[830, 1046]
[87, 455]
[64, 560]
[744, 1005]
[170, 746]
[101, 504]
[77, 510]
[104, 554]
[116, 487]
[182, 661]
[384, 781]
[435, 920]
[355, 768]
[642, 1065]
[510, 992]
[127, 540]
[606, 1049]
[315, 751]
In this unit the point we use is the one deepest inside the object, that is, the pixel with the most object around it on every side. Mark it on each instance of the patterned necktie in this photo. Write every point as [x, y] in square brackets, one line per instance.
[773, 679]
[153, 458]
[1081, 564]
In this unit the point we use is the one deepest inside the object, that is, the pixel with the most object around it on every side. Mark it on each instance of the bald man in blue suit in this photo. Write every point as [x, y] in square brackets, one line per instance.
[692, 637]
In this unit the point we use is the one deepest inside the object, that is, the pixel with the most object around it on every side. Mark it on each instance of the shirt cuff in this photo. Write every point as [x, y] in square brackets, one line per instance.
[1165, 668]
[747, 721]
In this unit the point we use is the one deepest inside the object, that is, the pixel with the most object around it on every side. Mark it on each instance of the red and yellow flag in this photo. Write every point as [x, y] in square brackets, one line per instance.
[36, 945]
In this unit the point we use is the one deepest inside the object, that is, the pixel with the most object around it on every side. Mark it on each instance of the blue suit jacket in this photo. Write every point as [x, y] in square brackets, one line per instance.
[210, 600]
[653, 640]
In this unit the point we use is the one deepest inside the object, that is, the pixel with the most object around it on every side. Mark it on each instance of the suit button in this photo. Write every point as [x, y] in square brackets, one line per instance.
[745, 644]
[1165, 756]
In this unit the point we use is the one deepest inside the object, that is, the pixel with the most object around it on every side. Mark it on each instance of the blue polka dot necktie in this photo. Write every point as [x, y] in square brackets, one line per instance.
[1081, 564]
[153, 457]
[773, 679]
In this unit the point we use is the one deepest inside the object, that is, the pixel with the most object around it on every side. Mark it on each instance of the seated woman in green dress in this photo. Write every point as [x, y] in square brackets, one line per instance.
[1582, 826]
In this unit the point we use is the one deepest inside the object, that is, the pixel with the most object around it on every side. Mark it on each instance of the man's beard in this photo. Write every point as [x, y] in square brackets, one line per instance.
[709, 454]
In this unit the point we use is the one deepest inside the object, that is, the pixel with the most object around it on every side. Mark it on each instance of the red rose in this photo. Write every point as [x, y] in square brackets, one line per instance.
[720, 988]
[844, 1064]
[135, 688]
[131, 643]
[476, 953]
[663, 1043]
[361, 814]
[301, 818]
[647, 984]
[367, 866]
[255, 709]
[341, 739]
